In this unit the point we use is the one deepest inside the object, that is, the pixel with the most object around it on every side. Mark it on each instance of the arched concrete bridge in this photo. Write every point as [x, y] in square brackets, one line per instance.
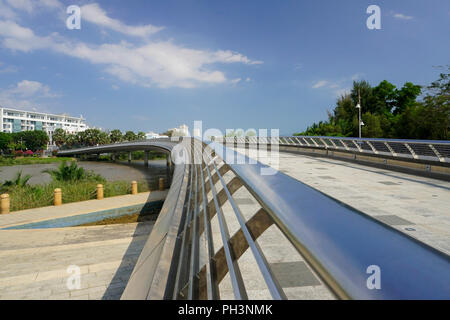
[228, 231]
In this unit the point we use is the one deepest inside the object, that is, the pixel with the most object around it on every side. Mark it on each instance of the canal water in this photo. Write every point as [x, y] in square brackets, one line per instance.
[120, 171]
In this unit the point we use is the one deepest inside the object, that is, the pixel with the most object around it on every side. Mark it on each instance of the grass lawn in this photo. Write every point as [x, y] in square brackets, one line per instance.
[36, 196]
[31, 160]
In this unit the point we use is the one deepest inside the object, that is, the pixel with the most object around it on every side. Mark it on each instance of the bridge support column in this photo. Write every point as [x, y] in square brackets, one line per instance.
[146, 158]
[129, 157]
[113, 157]
[169, 167]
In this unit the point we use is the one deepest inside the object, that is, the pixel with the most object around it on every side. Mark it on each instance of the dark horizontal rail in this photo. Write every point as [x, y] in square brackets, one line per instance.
[341, 242]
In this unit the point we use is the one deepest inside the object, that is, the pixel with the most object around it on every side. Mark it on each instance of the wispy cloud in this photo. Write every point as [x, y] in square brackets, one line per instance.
[27, 88]
[26, 94]
[320, 84]
[298, 66]
[31, 5]
[93, 13]
[154, 63]
[7, 69]
[236, 81]
[338, 87]
[401, 16]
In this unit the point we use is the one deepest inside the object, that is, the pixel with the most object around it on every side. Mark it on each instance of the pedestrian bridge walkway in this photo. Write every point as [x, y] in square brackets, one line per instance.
[310, 231]
[415, 205]
[34, 260]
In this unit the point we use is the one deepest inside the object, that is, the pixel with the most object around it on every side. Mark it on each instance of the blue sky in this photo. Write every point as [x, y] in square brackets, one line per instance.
[153, 65]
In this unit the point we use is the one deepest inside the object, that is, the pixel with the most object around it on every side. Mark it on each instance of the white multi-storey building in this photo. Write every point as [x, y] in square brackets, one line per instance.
[154, 135]
[13, 120]
[181, 131]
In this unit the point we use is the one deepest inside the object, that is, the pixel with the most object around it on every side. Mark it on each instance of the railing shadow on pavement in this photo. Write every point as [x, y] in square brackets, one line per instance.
[139, 237]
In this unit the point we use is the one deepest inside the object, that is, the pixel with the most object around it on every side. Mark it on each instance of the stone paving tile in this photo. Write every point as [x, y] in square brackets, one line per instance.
[379, 192]
[105, 265]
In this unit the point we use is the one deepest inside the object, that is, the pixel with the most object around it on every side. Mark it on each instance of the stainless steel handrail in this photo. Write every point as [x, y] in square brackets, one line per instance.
[341, 242]
[337, 241]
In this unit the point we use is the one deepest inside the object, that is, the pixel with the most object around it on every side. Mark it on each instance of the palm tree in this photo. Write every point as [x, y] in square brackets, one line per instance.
[115, 136]
[66, 172]
[18, 181]
[140, 135]
[59, 137]
[72, 172]
[129, 136]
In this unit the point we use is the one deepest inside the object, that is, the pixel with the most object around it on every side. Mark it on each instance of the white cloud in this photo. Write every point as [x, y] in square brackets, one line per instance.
[151, 63]
[6, 12]
[320, 84]
[96, 15]
[401, 16]
[339, 87]
[162, 64]
[31, 5]
[51, 3]
[236, 81]
[27, 88]
[115, 87]
[26, 5]
[231, 57]
[7, 69]
[16, 37]
[26, 94]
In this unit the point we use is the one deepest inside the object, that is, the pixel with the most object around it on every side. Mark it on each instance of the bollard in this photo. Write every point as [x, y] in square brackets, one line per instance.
[134, 187]
[4, 203]
[161, 184]
[57, 197]
[99, 192]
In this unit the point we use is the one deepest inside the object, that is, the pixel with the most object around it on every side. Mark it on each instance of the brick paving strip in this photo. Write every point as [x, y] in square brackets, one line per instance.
[34, 262]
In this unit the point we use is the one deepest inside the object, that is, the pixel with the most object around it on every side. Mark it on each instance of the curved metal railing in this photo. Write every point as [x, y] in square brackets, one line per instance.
[164, 145]
[202, 233]
[425, 150]
[339, 243]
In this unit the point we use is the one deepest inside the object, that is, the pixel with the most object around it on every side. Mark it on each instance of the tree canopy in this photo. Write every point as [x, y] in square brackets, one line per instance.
[390, 112]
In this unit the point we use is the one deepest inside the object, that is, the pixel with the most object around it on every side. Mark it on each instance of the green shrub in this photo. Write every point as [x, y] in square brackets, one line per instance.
[73, 172]
[18, 182]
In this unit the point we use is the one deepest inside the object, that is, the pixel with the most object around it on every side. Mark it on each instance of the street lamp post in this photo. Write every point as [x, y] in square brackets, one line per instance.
[360, 123]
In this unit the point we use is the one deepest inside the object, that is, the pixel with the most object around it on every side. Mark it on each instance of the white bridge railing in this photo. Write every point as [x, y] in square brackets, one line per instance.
[426, 150]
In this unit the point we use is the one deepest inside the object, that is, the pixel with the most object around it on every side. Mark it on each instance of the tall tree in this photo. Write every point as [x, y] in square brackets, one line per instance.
[59, 137]
[140, 135]
[406, 96]
[33, 140]
[129, 136]
[385, 95]
[115, 136]
[5, 141]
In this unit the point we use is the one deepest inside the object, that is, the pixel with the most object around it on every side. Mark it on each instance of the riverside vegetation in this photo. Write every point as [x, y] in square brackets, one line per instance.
[76, 183]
